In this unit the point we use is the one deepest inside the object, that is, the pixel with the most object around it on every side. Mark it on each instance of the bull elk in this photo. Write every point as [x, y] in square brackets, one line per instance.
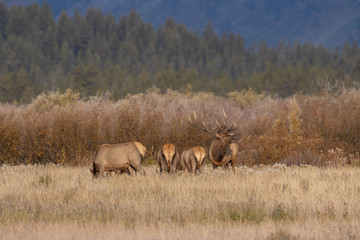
[192, 159]
[168, 158]
[223, 149]
[118, 157]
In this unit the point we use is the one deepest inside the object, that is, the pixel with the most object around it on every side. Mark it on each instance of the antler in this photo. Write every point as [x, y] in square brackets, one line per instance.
[218, 129]
[204, 128]
[228, 129]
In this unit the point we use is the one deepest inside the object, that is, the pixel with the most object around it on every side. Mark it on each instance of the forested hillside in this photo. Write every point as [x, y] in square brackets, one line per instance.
[93, 53]
[327, 22]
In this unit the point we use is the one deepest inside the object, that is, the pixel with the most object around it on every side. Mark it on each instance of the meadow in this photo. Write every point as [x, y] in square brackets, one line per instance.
[262, 202]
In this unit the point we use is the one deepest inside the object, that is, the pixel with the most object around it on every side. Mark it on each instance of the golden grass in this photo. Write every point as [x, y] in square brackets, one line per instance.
[268, 230]
[260, 202]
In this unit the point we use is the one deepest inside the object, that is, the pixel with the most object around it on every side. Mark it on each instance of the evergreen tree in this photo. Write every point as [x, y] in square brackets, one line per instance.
[46, 18]
[94, 53]
[4, 17]
[18, 23]
[82, 35]
[67, 58]
[14, 86]
[65, 30]
[90, 84]
[95, 22]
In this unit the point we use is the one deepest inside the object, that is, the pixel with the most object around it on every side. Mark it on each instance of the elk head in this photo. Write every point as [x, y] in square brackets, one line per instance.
[221, 132]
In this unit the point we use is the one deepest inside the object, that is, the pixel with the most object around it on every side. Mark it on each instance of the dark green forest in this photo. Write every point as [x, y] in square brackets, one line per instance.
[95, 53]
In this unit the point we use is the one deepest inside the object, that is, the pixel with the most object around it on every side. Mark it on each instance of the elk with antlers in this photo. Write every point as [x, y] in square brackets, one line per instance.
[223, 150]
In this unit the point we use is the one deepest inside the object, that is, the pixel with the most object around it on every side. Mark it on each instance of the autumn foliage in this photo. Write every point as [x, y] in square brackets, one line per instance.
[63, 128]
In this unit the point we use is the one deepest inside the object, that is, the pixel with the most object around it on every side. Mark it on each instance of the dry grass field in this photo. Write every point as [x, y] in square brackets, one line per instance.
[263, 202]
[302, 179]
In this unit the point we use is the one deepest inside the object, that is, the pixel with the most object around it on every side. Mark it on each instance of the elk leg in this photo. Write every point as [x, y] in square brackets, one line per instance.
[188, 164]
[139, 169]
[95, 173]
[163, 167]
[183, 166]
[172, 169]
[233, 163]
[101, 171]
[130, 169]
[193, 165]
[201, 168]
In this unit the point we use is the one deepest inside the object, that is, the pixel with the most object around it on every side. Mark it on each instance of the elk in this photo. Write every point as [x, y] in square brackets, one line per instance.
[118, 157]
[168, 158]
[223, 149]
[192, 159]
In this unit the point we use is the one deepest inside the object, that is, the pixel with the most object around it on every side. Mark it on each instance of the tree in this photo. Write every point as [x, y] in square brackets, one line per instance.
[67, 59]
[18, 23]
[221, 84]
[82, 35]
[210, 41]
[46, 18]
[49, 46]
[14, 86]
[94, 21]
[172, 44]
[4, 17]
[86, 80]
[90, 82]
[65, 30]
[165, 79]
[128, 55]
[143, 80]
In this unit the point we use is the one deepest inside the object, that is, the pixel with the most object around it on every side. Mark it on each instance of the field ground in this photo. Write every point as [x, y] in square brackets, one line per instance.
[277, 202]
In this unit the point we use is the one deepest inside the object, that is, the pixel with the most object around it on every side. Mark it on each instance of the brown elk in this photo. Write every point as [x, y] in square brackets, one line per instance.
[223, 150]
[168, 158]
[192, 159]
[118, 157]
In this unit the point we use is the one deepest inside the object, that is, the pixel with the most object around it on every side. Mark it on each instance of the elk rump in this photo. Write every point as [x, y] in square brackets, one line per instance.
[192, 159]
[168, 158]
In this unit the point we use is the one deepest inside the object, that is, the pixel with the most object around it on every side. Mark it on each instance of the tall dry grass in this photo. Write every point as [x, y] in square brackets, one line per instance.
[62, 128]
[275, 202]
[271, 231]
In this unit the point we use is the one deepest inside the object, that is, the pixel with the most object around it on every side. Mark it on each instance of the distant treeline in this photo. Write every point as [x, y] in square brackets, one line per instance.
[96, 52]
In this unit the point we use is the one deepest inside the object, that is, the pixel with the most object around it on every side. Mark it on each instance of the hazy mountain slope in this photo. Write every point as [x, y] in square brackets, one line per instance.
[327, 22]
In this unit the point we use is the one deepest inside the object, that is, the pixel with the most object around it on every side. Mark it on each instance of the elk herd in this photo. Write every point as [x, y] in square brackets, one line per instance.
[128, 157]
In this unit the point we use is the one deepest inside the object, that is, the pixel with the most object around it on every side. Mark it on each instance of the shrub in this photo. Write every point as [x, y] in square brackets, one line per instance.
[47, 101]
[62, 128]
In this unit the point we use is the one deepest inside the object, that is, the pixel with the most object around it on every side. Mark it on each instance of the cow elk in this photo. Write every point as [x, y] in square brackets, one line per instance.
[192, 159]
[119, 157]
[168, 158]
[223, 149]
